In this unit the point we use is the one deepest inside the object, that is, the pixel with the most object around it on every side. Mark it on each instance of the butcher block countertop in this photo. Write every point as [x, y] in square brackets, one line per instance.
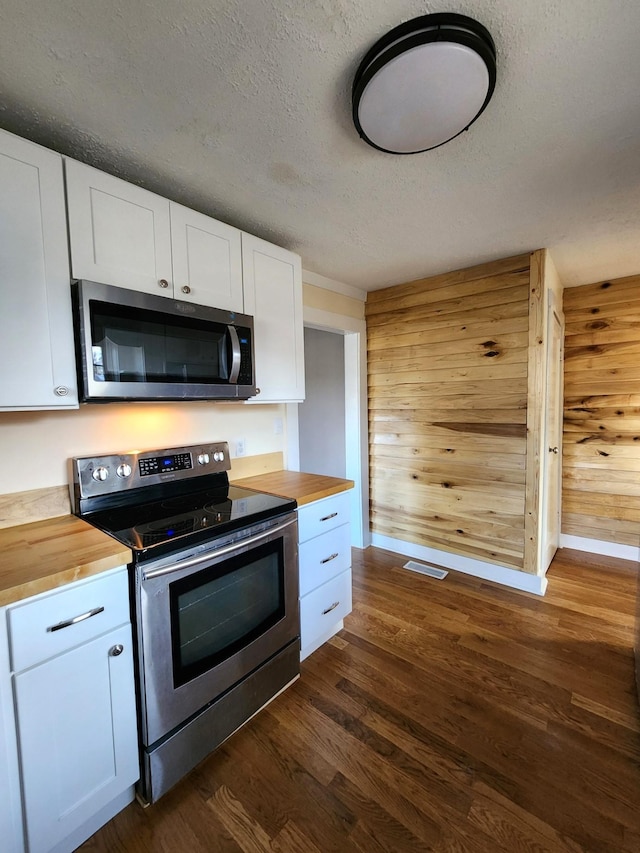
[304, 488]
[44, 555]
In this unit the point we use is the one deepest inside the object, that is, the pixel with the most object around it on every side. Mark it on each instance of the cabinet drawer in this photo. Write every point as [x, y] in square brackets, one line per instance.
[31, 637]
[323, 607]
[320, 516]
[324, 557]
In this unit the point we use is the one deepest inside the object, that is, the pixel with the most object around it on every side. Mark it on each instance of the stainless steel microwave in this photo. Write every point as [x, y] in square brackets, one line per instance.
[135, 346]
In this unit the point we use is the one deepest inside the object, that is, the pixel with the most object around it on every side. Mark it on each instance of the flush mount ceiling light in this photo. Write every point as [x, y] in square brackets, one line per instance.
[423, 83]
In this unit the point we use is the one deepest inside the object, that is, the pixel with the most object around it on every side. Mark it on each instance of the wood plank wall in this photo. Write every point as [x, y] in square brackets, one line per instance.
[601, 437]
[447, 361]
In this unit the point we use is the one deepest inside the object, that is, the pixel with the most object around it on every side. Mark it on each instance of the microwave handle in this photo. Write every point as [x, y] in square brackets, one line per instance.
[235, 355]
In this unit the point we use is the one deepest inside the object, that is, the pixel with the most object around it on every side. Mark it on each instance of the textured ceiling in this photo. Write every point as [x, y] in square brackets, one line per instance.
[242, 110]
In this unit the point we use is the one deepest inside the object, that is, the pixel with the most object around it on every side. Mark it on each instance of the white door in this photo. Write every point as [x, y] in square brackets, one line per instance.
[207, 260]
[37, 359]
[552, 457]
[273, 295]
[119, 233]
[77, 736]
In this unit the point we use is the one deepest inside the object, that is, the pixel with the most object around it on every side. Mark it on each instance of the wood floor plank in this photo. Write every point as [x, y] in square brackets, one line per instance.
[450, 716]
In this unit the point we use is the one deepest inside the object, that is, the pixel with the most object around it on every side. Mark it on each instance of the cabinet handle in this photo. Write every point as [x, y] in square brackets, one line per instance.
[327, 517]
[163, 282]
[328, 559]
[553, 450]
[186, 289]
[329, 609]
[68, 622]
[61, 391]
[116, 650]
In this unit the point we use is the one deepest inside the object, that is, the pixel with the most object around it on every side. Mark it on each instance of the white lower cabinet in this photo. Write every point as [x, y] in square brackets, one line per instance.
[10, 812]
[324, 535]
[74, 698]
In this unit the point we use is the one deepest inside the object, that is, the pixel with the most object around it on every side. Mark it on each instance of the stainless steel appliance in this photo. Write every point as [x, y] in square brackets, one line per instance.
[135, 346]
[214, 592]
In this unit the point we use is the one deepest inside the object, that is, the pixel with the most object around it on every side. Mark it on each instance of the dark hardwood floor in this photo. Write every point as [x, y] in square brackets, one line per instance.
[453, 716]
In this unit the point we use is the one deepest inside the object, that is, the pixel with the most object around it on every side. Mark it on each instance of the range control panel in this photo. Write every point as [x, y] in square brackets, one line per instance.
[94, 476]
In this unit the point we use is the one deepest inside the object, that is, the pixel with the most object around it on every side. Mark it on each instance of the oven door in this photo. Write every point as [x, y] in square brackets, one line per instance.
[209, 619]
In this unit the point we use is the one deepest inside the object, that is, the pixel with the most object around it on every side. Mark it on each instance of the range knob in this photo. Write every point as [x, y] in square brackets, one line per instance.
[203, 458]
[123, 470]
[101, 473]
[218, 456]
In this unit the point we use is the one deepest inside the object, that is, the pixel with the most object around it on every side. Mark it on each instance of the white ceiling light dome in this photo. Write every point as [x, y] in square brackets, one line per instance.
[423, 83]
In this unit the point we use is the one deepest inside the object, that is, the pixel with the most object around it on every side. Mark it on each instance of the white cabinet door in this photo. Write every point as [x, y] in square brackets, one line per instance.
[273, 294]
[10, 807]
[119, 233]
[77, 736]
[37, 360]
[207, 260]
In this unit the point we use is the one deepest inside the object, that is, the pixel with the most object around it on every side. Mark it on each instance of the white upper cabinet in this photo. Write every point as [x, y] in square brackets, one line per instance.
[273, 295]
[124, 235]
[207, 260]
[37, 360]
[119, 233]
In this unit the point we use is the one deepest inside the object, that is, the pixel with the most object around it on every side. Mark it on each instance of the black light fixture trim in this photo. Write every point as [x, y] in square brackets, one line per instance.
[438, 27]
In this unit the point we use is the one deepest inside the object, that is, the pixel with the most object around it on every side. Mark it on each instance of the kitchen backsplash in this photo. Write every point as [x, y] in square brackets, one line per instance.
[37, 445]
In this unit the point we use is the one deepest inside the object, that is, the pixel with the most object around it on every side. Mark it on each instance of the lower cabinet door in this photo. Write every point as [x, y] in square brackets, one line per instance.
[77, 736]
[321, 609]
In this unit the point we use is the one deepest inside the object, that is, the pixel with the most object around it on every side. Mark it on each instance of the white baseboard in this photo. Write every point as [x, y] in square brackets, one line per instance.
[597, 546]
[536, 584]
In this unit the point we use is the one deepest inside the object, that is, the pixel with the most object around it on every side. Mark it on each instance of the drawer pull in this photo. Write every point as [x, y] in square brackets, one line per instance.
[329, 609]
[328, 559]
[68, 622]
[327, 517]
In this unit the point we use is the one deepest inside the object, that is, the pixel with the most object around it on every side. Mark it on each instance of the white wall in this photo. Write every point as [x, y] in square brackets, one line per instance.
[321, 418]
[35, 446]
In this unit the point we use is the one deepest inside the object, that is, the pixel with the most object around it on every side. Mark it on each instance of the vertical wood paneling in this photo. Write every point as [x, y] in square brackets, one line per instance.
[601, 441]
[448, 389]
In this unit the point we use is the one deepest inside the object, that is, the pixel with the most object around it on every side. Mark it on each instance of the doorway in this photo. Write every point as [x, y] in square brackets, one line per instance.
[352, 424]
[321, 418]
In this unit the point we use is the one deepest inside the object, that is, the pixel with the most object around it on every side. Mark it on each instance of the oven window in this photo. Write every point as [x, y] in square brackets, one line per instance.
[134, 345]
[218, 611]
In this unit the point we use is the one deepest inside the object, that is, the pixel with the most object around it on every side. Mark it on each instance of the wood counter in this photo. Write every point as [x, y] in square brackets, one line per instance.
[44, 555]
[304, 488]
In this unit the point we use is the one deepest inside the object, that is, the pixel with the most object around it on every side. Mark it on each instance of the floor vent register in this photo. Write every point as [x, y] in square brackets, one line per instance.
[421, 568]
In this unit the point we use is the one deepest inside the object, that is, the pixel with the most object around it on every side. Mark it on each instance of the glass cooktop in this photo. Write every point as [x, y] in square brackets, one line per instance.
[199, 515]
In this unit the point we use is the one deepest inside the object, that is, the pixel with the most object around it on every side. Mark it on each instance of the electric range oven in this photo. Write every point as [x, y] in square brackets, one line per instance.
[214, 595]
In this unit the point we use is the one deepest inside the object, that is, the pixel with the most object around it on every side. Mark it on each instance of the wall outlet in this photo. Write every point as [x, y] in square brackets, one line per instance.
[240, 448]
[277, 426]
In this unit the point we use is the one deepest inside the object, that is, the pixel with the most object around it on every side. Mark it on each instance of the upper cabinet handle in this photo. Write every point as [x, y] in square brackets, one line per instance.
[186, 289]
[163, 282]
[68, 622]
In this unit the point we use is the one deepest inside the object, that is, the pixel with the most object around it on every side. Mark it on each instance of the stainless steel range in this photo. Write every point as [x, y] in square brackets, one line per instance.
[214, 593]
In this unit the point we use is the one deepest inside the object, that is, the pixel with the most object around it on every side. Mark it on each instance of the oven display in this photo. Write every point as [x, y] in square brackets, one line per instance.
[165, 464]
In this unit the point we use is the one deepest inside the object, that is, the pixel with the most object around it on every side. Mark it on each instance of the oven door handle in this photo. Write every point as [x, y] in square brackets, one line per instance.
[215, 552]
